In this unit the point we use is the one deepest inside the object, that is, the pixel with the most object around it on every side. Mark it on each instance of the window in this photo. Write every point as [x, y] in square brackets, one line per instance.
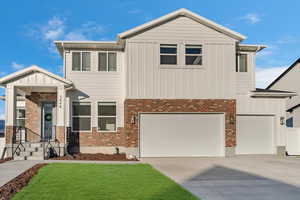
[21, 117]
[168, 54]
[81, 61]
[107, 116]
[193, 54]
[241, 63]
[107, 61]
[81, 116]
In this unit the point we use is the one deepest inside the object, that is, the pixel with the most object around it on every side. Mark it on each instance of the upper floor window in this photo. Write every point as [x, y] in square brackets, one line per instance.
[193, 54]
[81, 61]
[107, 61]
[241, 64]
[168, 54]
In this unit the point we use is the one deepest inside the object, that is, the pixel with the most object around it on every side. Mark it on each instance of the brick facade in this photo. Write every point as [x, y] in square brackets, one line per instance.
[135, 106]
[33, 109]
[96, 138]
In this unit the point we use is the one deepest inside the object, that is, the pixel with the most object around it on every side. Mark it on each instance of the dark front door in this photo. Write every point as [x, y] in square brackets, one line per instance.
[47, 121]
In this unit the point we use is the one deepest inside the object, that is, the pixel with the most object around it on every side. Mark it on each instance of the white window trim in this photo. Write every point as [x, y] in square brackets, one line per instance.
[82, 116]
[107, 52]
[21, 118]
[91, 54]
[181, 56]
[116, 116]
[238, 62]
[193, 66]
[168, 54]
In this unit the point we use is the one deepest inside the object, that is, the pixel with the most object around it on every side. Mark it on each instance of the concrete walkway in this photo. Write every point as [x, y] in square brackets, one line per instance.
[236, 178]
[11, 169]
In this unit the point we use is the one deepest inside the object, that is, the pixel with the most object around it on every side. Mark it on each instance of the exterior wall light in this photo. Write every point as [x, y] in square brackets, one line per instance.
[282, 120]
[132, 121]
[231, 119]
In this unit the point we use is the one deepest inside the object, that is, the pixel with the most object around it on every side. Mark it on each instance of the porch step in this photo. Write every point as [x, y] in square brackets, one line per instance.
[28, 158]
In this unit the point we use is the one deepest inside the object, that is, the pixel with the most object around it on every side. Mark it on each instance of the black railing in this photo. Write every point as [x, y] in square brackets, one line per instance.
[22, 135]
[19, 137]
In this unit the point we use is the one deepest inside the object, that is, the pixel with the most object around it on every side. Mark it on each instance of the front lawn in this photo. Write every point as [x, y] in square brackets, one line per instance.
[107, 182]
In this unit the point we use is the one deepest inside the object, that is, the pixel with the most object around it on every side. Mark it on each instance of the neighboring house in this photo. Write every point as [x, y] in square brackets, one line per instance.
[289, 80]
[180, 85]
[2, 140]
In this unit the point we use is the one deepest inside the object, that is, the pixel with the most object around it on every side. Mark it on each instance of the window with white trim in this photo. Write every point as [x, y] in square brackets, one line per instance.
[107, 116]
[193, 54]
[107, 61]
[168, 54]
[81, 116]
[81, 61]
[21, 117]
[241, 62]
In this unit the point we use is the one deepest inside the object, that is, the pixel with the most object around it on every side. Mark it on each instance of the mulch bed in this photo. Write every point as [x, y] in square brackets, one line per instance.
[5, 160]
[96, 157]
[8, 190]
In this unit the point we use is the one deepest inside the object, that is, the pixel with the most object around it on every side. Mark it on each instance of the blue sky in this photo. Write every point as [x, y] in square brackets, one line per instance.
[29, 28]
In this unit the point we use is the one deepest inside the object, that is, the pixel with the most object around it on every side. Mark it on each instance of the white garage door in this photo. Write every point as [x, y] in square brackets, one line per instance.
[181, 135]
[254, 134]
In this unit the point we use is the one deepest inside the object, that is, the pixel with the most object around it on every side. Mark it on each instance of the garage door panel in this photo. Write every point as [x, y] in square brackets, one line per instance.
[255, 134]
[181, 135]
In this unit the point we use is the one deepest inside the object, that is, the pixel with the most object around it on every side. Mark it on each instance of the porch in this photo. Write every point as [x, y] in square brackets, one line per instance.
[35, 114]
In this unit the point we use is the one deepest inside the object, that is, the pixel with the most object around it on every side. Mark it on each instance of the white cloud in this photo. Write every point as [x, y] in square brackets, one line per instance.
[54, 29]
[17, 66]
[57, 29]
[2, 116]
[265, 75]
[251, 18]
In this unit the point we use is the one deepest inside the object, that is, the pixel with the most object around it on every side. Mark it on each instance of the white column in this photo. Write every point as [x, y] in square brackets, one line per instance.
[10, 105]
[61, 95]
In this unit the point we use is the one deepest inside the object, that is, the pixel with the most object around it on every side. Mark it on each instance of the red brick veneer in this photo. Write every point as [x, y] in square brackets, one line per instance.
[33, 106]
[95, 138]
[135, 106]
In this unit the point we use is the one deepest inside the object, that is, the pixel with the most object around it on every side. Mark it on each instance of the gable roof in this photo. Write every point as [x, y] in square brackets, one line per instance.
[259, 92]
[284, 73]
[186, 13]
[28, 70]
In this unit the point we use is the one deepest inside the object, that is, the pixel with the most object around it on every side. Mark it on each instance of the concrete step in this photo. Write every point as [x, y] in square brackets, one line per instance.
[36, 145]
[20, 158]
[34, 149]
[31, 153]
[35, 158]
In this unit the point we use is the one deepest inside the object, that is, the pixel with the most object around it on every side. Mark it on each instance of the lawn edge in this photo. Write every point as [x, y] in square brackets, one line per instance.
[15, 185]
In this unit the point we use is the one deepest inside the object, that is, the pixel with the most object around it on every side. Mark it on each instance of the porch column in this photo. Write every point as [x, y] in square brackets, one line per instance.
[10, 112]
[60, 123]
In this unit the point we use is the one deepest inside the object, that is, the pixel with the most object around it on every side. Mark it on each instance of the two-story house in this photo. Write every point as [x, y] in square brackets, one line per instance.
[178, 86]
[288, 80]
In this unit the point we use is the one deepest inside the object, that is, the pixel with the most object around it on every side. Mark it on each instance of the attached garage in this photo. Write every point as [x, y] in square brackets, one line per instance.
[255, 134]
[181, 134]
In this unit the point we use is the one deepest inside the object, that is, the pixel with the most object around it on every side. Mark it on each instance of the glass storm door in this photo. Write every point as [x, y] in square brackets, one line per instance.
[47, 121]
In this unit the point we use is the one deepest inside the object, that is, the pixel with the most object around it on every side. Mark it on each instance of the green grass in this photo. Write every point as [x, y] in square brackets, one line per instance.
[107, 182]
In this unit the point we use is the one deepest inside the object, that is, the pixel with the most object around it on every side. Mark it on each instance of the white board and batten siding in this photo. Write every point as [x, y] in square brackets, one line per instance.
[94, 86]
[147, 79]
[245, 81]
[273, 107]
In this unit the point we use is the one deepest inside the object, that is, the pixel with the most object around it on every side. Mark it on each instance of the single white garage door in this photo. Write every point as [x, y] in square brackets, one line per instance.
[181, 135]
[254, 134]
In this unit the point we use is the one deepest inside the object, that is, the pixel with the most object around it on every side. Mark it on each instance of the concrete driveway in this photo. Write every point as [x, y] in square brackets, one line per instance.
[236, 178]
